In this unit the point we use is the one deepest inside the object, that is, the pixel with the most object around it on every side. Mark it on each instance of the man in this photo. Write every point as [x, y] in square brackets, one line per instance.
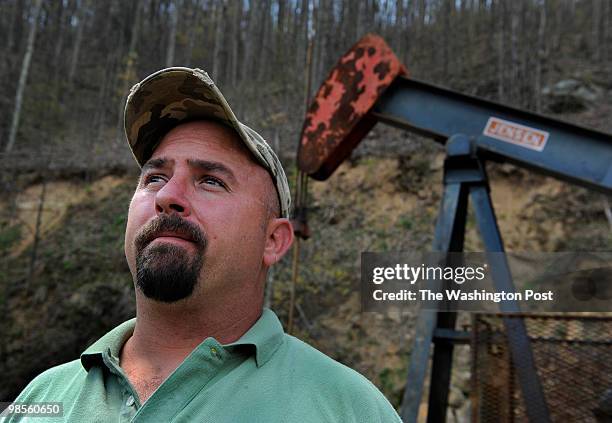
[208, 218]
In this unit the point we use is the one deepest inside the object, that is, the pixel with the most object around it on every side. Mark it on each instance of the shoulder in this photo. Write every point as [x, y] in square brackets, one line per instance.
[334, 385]
[316, 364]
[54, 382]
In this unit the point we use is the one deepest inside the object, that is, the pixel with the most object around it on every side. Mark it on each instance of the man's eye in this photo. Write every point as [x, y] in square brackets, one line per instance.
[211, 180]
[152, 179]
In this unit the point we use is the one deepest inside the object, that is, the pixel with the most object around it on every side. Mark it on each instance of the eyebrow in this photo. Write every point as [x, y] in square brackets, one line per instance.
[204, 165]
[153, 164]
[209, 166]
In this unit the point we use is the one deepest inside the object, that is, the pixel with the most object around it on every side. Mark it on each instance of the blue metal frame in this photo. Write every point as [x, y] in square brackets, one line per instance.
[465, 177]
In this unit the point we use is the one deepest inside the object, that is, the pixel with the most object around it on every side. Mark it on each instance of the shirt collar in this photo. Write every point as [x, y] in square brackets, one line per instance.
[266, 335]
[112, 343]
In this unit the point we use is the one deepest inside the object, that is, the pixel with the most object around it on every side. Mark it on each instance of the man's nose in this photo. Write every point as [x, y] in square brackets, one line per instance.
[172, 198]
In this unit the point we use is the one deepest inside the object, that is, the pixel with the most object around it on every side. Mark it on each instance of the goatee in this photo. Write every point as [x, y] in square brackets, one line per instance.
[165, 272]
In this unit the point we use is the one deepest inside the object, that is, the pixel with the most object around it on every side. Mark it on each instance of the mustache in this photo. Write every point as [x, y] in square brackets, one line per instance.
[169, 223]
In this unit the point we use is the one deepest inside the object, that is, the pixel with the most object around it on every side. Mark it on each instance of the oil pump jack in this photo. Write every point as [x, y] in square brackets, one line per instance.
[370, 85]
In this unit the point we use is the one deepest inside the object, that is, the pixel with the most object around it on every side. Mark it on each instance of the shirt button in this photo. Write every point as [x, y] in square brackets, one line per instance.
[130, 401]
[214, 352]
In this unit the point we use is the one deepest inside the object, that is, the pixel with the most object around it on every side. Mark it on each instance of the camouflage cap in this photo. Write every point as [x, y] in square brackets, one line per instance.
[167, 97]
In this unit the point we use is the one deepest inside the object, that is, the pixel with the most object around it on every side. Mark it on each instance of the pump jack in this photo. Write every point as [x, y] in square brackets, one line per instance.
[370, 85]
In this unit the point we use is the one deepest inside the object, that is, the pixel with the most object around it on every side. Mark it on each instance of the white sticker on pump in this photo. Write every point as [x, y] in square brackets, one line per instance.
[516, 133]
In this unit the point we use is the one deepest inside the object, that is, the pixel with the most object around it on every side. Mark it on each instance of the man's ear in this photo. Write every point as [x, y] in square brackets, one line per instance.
[278, 240]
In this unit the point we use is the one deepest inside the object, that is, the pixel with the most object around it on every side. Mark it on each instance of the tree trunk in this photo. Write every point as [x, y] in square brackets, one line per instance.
[237, 19]
[263, 44]
[128, 77]
[279, 51]
[59, 40]
[323, 35]
[23, 77]
[172, 34]
[558, 32]
[251, 40]
[525, 76]
[192, 31]
[108, 70]
[409, 33]
[9, 33]
[302, 45]
[15, 31]
[515, 64]
[421, 39]
[596, 8]
[82, 19]
[541, 57]
[605, 45]
[219, 41]
[501, 63]
[33, 254]
[446, 37]
[399, 28]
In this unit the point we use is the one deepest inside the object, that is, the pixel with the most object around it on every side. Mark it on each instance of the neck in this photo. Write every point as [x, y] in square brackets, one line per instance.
[165, 334]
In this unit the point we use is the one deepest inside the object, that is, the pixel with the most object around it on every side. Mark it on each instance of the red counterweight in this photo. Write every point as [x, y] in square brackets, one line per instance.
[337, 118]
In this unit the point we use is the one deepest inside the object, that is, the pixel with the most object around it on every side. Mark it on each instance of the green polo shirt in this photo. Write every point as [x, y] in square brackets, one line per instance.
[265, 376]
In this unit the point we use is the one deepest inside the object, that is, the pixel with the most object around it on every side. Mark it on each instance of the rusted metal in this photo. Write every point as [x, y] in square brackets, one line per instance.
[337, 119]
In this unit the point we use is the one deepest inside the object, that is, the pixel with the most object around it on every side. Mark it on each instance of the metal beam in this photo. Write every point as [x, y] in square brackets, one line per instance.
[573, 153]
[518, 338]
[448, 237]
[449, 234]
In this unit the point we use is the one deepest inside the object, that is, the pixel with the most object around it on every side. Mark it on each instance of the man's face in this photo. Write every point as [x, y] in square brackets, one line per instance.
[197, 221]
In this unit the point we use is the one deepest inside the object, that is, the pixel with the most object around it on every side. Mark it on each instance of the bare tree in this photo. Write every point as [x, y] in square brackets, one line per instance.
[193, 26]
[23, 77]
[541, 57]
[279, 41]
[596, 9]
[446, 36]
[324, 26]
[59, 38]
[515, 64]
[502, 11]
[130, 65]
[220, 12]
[302, 42]
[37, 230]
[251, 39]
[174, 13]
[264, 42]
[109, 67]
[80, 22]
[235, 42]
[399, 28]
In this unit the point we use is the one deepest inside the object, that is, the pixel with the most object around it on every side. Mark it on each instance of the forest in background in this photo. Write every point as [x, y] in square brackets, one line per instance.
[67, 65]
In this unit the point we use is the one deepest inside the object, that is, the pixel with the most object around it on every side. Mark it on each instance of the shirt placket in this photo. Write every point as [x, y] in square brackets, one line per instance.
[207, 363]
[129, 401]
